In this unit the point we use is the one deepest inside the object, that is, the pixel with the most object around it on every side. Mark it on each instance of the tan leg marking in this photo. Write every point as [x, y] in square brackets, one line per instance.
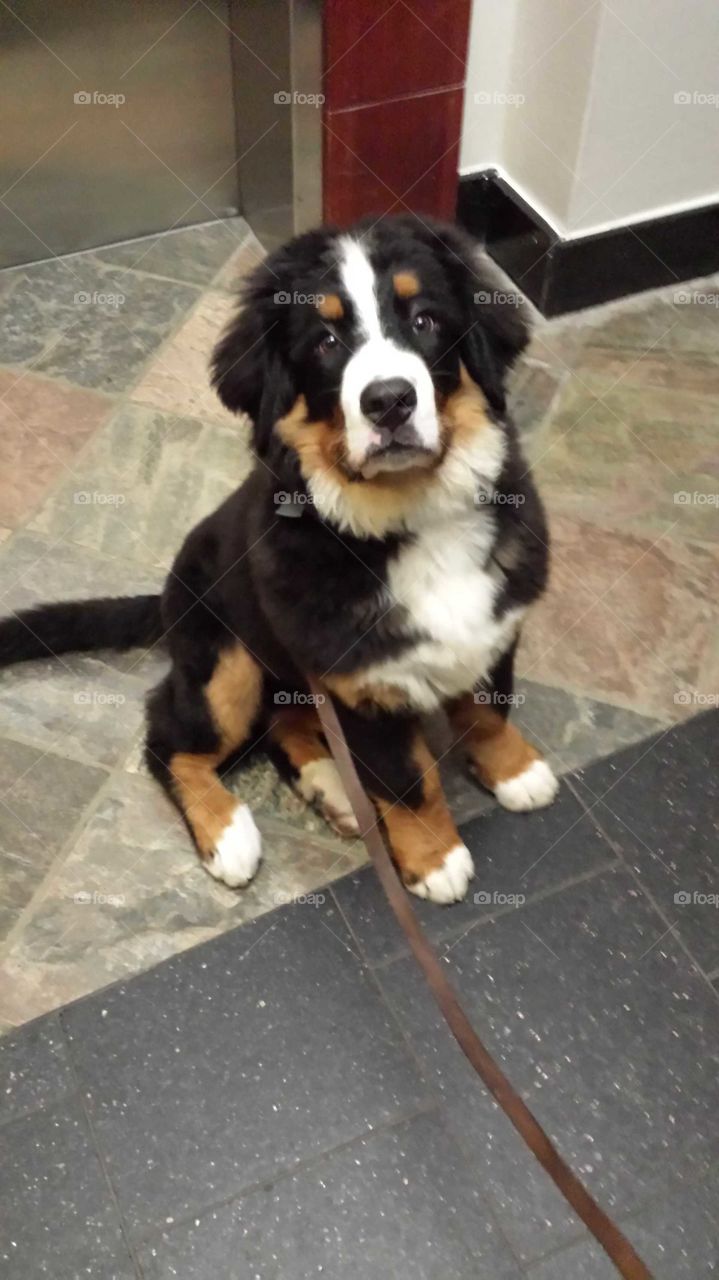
[425, 843]
[297, 732]
[224, 831]
[502, 759]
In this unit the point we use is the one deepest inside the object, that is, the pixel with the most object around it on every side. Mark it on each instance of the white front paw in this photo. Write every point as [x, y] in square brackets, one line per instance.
[238, 851]
[533, 789]
[320, 784]
[449, 882]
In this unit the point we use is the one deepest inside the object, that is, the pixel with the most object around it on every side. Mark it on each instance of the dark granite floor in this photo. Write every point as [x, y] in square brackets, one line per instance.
[283, 1101]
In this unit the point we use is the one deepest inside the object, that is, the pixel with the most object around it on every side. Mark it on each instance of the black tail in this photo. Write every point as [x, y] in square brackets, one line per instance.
[79, 626]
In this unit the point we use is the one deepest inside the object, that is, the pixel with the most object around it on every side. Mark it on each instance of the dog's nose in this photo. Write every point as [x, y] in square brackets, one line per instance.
[388, 401]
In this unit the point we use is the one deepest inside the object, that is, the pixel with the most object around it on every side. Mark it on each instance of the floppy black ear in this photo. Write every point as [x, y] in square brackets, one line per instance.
[249, 371]
[497, 318]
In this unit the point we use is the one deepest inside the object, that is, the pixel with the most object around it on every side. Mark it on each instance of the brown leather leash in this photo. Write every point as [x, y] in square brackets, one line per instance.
[614, 1243]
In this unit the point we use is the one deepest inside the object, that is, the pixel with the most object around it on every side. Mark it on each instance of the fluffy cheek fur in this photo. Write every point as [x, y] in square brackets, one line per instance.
[386, 502]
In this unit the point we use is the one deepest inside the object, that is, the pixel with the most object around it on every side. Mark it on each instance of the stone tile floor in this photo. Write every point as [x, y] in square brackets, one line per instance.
[284, 1101]
[112, 446]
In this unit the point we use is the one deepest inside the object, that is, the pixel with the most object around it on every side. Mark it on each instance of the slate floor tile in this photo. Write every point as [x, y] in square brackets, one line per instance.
[35, 569]
[678, 1238]
[45, 421]
[146, 479]
[400, 1203]
[191, 254]
[42, 797]
[219, 1069]
[35, 1069]
[643, 458]
[516, 856]
[131, 893]
[81, 319]
[607, 1031]
[58, 1219]
[625, 619]
[177, 380]
[569, 730]
[659, 802]
[76, 707]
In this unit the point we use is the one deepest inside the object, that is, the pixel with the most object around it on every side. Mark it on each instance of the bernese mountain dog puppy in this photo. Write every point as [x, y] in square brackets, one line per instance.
[388, 541]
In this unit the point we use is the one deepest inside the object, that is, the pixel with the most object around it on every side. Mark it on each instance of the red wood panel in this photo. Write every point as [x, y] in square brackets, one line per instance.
[393, 157]
[373, 52]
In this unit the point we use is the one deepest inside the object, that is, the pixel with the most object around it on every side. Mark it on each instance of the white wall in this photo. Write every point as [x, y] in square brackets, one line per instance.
[597, 138]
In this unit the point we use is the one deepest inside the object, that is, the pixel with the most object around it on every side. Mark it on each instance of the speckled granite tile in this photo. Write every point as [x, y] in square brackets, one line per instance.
[191, 254]
[517, 857]
[678, 1238]
[221, 1068]
[406, 1194]
[35, 1070]
[42, 426]
[146, 480]
[570, 730]
[132, 892]
[41, 799]
[88, 322]
[658, 802]
[604, 1027]
[58, 1217]
[76, 707]
[178, 381]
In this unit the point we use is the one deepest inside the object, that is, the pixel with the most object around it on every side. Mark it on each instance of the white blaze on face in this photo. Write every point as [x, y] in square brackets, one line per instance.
[377, 356]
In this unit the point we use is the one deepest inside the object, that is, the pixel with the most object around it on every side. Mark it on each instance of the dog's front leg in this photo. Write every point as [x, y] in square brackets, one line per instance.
[400, 774]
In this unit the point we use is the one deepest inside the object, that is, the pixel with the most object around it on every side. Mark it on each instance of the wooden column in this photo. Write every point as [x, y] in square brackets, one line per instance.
[393, 84]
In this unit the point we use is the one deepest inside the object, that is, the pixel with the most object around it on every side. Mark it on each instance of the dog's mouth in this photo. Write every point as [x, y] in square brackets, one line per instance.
[396, 449]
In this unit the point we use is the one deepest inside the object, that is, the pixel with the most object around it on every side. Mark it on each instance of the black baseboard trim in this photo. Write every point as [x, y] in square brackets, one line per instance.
[565, 275]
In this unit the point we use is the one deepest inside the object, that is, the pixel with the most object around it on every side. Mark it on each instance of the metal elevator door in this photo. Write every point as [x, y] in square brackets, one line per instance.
[117, 120]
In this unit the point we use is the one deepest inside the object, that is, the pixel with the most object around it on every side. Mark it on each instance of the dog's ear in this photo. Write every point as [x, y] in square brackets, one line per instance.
[248, 370]
[497, 318]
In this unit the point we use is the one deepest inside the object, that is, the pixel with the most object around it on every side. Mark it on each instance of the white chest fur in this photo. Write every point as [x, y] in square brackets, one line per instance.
[450, 600]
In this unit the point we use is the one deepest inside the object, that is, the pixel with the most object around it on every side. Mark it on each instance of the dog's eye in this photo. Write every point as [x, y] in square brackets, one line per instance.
[424, 322]
[326, 344]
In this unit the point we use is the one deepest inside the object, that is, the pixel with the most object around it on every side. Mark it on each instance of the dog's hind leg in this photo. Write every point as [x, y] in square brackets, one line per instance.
[193, 728]
[296, 733]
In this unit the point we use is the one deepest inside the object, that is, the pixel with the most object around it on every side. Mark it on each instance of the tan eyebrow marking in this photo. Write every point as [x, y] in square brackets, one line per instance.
[406, 284]
[330, 307]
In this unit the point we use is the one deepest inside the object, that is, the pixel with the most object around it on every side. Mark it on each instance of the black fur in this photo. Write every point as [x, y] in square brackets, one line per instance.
[300, 594]
[80, 625]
